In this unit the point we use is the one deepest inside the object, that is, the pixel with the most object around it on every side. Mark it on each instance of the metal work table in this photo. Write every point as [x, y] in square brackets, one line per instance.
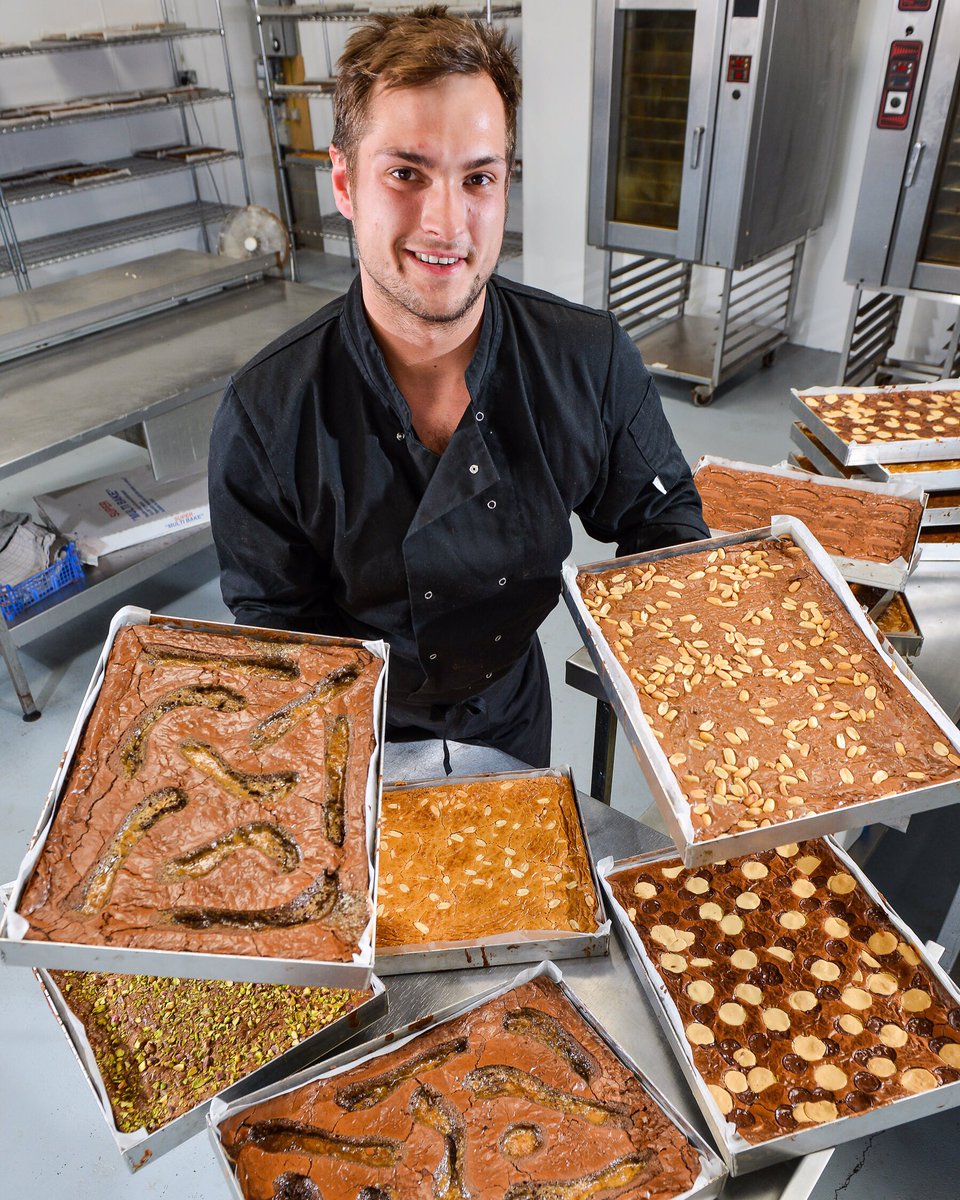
[151, 345]
[57, 1140]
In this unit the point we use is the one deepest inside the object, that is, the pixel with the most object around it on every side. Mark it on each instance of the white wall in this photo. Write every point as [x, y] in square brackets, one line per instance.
[557, 98]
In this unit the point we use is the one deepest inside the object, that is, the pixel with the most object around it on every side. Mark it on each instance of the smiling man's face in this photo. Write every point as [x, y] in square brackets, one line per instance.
[428, 198]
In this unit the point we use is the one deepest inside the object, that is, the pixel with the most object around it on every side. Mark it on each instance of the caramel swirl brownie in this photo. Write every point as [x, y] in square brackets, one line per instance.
[800, 1000]
[216, 800]
[163, 1046]
[766, 698]
[517, 1098]
[892, 415]
[469, 859]
[847, 521]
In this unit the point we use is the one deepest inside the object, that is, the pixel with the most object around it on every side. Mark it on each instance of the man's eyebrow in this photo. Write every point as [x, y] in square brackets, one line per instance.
[422, 160]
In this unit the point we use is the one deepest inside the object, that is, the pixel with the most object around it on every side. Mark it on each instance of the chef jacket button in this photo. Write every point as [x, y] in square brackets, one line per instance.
[498, 637]
[428, 595]
[489, 674]
[474, 468]
[503, 581]
[399, 437]
[479, 416]
[491, 504]
[432, 657]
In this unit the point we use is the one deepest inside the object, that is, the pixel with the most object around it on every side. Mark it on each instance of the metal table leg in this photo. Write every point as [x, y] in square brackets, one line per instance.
[604, 748]
[12, 659]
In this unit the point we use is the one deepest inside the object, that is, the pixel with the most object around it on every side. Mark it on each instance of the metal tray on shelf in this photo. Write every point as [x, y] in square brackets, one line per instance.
[674, 807]
[940, 543]
[880, 450]
[504, 948]
[892, 574]
[17, 948]
[740, 1155]
[140, 1148]
[712, 1172]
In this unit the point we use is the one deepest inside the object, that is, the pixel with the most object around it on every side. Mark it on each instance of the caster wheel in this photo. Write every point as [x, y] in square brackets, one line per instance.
[769, 358]
[702, 396]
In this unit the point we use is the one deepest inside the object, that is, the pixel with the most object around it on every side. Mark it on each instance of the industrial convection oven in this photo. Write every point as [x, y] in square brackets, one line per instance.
[906, 233]
[714, 123]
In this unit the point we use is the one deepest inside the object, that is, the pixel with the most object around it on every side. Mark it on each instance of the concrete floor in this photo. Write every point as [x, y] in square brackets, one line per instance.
[749, 420]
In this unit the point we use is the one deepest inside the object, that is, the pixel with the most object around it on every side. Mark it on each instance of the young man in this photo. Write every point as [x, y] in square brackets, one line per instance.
[404, 464]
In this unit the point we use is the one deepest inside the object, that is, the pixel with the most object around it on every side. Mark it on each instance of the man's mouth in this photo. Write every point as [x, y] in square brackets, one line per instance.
[435, 259]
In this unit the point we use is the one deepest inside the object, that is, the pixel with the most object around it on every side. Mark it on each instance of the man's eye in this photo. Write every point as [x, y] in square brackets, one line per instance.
[482, 180]
[403, 173]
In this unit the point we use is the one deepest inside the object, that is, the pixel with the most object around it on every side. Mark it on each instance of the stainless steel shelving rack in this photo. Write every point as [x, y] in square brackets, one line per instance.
[19, 257]
[329, 225]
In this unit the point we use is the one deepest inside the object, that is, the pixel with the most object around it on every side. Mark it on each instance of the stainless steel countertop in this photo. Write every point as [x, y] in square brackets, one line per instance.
[79, 391]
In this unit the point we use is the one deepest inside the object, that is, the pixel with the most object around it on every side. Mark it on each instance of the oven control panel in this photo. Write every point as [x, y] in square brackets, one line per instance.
[903, 65]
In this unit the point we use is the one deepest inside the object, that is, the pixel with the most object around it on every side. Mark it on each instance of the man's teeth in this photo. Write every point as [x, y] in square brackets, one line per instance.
[433, 258]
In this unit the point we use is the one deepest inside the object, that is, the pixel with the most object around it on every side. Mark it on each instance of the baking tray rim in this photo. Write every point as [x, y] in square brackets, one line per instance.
[713, 1172]
[739, 1155]
[17, 949]
[892, 574]
[517, 946]
[673, 806]
[857, 453]
[140, 1148]
[933, 480]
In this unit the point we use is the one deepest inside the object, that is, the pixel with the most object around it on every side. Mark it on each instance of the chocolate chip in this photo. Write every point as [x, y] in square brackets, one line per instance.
[759, 1043]
[746, 1097]
[863, 1081]
[883, 1052]
[920, 1026]
[819, 881]
[783, 881]
[857, 1102]
[691, 912]
[725, 948]
[918, 981]
[826, 991]
[794, 1064]
[784, 1116]
[863, 933]
[753, 939]
[819, 1093]
[875, 913]
[646, 878]
[669, 918]
[728, 1046]
[837, 908]
[703, 1013]
[861, 1056]
[830, 1047]
[732, 890]
[699, 950]
[787, 943]
[651, 906]
[764, 905]
[937, 1044]
[742, 1119]
[836, 949]
[946, 1074]
[953, 1017]
[771, 974]
[809, 904]
[875, 1024]
[798, 1095]
[809, 961]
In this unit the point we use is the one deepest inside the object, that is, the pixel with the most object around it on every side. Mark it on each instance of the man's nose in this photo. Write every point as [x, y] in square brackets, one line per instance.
[443, 214]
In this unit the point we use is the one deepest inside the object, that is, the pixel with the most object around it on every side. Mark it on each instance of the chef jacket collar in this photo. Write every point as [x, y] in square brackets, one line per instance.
[363, 347]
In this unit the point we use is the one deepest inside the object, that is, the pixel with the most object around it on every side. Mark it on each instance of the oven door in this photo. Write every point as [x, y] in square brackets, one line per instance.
[925, 253]
[656, 75]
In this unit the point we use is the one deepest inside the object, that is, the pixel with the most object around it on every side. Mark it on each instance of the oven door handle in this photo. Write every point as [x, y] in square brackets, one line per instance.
[696, 146]
[915, 155]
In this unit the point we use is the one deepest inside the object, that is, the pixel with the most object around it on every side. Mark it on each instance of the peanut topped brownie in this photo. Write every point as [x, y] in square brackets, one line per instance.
[892, 414]
[799, 998]
[766, 698]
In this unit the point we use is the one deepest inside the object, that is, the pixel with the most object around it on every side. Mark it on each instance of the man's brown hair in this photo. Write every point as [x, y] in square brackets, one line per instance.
[415, 49]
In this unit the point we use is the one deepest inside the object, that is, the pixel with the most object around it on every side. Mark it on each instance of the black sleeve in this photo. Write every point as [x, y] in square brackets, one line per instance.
[644, 496]
[270, 574]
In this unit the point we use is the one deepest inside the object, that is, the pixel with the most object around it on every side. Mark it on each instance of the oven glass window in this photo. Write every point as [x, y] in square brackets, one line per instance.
[941, 243]
[657, 57]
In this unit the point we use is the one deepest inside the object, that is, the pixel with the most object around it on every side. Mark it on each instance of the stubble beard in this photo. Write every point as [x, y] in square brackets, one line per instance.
[408, 303]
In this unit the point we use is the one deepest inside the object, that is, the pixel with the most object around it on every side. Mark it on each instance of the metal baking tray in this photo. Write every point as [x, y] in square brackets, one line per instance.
[932, 476]
[946, 552]
[16, 948]
[857, 453]
[712, 1172]
[942, 509]
[673, 805]
[855, 570]
[140, 1148]
[504, 948]
[820, 456]
[740, 1155]
[909, 641]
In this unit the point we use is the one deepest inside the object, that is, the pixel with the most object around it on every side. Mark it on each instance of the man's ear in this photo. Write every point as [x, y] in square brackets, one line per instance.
[341, 182]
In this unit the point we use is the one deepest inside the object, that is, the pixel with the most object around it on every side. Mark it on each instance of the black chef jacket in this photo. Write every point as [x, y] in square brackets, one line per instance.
[330, 516]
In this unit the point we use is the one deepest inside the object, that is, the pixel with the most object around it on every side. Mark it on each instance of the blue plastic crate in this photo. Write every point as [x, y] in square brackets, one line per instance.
[14, 598]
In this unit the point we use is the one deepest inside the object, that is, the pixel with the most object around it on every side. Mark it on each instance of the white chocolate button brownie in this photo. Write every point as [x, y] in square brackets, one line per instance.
[894, 414]
[767, 700]
[466, 860]
[215, 801]
[518, 1098]
[805, 1004]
